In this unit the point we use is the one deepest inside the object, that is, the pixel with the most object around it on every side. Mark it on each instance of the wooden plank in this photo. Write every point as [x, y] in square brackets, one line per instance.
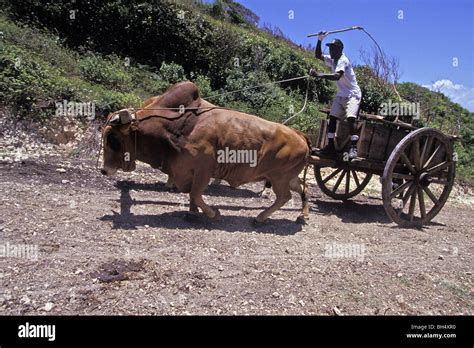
[359, 164]
[396, 136]
[342, 135]
[381, 119]
[325, 111]
[322, 136]
[365, 138]
[378, 118]
[379, 142]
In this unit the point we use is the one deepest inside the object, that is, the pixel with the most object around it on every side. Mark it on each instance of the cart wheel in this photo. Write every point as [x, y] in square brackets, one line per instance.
[421, 168]
[330, 183]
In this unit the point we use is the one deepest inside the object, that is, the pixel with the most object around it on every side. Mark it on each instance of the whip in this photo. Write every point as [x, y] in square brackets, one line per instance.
[356, 27]
[336, 31]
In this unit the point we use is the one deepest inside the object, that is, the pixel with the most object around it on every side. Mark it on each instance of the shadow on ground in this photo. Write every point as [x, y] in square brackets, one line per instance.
[353, 211]
[177, 220]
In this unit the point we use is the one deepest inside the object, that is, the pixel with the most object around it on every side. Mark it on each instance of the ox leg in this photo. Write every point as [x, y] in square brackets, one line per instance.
[297, 185]
[283, 195]
[169, 183]
[200, 183]
[193, 208]
[216, 182]
[265, 193]
[193, 214]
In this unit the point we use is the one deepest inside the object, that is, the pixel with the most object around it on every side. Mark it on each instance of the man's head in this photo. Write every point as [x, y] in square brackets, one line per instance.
[335, 48]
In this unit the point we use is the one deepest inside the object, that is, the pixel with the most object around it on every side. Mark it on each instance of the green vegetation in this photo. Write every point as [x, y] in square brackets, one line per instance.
[439, 112]
[168, 43]
[119, 52]
[36, 71]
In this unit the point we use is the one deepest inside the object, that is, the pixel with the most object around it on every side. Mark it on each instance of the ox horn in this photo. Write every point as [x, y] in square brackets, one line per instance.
[121, 117]
[125, 117]
[114, 120]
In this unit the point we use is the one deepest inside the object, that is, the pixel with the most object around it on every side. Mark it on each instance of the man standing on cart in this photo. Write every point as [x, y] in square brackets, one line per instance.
[347, 100]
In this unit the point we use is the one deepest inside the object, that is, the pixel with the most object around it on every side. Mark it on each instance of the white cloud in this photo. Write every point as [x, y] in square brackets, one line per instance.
[458, 93]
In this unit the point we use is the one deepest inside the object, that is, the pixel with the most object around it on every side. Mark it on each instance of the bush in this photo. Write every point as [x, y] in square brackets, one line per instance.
[172, 72]
[146, 82]
[373, 93]
[204, 85]
[111, 101]
[48, 46]
[31, 86]
[108, 72]
[25, 81]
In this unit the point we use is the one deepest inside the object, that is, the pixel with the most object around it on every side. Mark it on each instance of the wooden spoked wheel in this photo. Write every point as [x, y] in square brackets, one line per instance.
[418, 177]
[341, 183]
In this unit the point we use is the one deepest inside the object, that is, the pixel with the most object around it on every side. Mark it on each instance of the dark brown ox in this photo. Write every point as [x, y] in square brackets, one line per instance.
[193, 140]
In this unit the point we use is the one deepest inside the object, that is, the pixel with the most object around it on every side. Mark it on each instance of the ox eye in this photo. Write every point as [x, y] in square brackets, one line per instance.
[113, 142]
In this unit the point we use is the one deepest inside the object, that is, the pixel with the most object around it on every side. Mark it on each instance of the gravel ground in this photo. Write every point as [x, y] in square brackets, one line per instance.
[122, 246]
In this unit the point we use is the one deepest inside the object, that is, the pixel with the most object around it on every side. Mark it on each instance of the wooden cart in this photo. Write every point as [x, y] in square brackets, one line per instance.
[416, 165]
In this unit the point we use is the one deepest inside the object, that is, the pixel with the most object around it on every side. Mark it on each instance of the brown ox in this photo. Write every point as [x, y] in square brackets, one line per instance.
[193, 141]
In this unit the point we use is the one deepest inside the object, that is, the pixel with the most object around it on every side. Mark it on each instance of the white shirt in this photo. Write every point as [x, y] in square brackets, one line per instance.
[347, 85]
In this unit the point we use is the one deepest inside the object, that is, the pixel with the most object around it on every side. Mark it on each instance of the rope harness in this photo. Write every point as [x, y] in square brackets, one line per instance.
[133, 119]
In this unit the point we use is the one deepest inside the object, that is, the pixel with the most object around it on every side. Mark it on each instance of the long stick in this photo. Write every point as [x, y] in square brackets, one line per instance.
[336, 31]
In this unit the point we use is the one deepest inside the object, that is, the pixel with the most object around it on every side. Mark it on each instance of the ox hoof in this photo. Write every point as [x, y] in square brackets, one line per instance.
[257, 223]
[217, 216]
[191, 216]
[301, 220]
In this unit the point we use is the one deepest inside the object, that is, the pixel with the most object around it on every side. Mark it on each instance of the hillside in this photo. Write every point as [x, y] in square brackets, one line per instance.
[119, 53]
[77, 242]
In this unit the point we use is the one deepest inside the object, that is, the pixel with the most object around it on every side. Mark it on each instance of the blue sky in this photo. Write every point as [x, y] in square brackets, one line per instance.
[426, 41]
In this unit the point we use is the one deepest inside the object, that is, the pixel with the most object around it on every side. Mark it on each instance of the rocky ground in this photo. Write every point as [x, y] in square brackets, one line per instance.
[122, 246]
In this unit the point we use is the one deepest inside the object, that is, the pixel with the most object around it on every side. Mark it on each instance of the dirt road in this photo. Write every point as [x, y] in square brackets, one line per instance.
[122, 246]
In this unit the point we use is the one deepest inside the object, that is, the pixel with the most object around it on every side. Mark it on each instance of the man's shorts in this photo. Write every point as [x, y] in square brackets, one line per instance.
[344, 106]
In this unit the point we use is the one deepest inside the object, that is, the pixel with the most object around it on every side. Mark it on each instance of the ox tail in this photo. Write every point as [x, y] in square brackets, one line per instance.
[307, 140]
[304, 177]
[308, 154]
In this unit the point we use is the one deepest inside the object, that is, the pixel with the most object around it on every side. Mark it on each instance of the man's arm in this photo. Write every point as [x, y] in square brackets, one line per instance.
[318, 52]
[333, 77]
[340, 68]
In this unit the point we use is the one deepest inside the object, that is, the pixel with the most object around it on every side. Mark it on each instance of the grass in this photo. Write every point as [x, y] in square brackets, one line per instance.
[37, 69]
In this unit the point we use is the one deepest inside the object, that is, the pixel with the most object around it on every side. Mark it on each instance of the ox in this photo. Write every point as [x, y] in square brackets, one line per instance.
[193, 141]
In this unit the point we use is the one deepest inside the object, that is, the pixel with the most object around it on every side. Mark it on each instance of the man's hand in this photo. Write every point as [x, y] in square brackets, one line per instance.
[322, 35]
[313, 73]
[332, 77]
